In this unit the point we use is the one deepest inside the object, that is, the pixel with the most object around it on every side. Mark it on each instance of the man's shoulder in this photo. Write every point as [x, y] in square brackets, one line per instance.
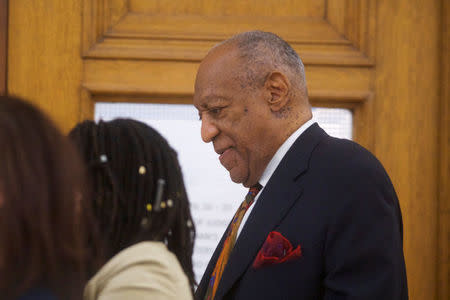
[344, 160]
[343, 172]
[345, 153]
[337, 150]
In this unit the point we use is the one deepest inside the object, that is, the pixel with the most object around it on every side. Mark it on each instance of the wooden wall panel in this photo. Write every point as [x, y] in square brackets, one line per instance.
[3, 44]
[175, 50]
[444, 183]
[162, 77]
[147, 30]
[356, 20]
[138, 25]
[406, 126]
[44, 59]
[298, 8]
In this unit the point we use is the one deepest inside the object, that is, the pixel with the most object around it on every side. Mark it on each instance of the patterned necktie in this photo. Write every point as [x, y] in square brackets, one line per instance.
[229, 242]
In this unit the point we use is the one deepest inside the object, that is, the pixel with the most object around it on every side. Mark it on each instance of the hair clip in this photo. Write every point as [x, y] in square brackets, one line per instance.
[159, 194]
[142, 170]
[103, 158]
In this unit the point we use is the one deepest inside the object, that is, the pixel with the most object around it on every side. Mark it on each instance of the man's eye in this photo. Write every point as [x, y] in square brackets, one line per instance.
[215, 111]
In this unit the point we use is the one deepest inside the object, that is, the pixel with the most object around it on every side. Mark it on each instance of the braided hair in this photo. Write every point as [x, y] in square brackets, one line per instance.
[130, 163]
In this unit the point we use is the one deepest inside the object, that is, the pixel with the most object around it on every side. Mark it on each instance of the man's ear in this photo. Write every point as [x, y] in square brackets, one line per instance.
[278, 86]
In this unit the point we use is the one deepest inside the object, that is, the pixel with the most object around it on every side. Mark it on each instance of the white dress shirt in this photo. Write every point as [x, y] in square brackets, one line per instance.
[272, 166]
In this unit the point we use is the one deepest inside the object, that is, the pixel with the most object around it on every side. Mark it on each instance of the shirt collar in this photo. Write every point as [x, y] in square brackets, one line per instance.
[281, 152]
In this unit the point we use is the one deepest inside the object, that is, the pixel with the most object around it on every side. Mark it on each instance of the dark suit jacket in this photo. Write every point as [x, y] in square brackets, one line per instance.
[334, 199]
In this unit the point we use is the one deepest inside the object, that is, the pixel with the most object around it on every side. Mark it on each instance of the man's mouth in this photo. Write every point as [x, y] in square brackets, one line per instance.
[225, 157]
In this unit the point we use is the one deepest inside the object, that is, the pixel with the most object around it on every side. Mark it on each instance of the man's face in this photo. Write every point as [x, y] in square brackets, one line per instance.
[234, 116]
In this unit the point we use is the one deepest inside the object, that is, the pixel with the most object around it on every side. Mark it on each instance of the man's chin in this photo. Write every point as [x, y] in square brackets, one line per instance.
[245, 180]
[238, 178]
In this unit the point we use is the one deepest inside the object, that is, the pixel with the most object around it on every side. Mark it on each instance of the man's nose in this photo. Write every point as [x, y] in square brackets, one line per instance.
[209, 130]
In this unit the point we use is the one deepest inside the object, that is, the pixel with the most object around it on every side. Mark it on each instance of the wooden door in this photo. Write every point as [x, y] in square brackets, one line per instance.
[3, 44]
[378, 58]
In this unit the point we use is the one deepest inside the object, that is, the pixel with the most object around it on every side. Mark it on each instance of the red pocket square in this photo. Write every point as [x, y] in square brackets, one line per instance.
[275, 250]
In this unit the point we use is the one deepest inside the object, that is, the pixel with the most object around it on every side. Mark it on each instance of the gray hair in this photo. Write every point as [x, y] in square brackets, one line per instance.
[263, 51]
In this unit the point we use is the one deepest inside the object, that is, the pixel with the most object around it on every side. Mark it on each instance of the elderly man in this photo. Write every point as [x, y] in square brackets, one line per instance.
[321, 219]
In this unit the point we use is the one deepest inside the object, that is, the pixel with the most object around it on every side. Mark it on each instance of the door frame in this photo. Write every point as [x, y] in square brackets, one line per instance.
[3, 45]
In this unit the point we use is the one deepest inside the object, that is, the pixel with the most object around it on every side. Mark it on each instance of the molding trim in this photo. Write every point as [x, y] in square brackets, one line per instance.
[356, 21]
[444, 159]
[112, 32]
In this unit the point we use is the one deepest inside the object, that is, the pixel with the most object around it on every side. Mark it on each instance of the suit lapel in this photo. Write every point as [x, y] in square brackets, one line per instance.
[280, 194]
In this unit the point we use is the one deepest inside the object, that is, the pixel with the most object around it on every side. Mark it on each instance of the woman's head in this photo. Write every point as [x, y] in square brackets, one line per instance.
[139, 194]
[42, 218]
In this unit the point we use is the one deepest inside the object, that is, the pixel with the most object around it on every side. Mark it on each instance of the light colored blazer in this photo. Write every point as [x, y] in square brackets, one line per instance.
[147, 270]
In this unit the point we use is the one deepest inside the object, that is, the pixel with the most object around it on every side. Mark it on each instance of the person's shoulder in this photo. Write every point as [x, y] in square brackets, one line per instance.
[346, 154]
[344, 163]
[145, 256]
[144, 269]
[349, 178]
[153, 254]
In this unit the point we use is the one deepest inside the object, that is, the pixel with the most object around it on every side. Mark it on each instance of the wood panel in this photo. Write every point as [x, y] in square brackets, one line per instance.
[356, 20]
[444, 184]
[406, 122]
[98, 17]
[162, 77]
[305, 8]
[44, 59]
[176, 50]
[156, 30]
[217, 28]
[3, 44]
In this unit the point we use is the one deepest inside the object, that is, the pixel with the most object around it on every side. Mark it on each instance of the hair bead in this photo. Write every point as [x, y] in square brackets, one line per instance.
[103, 158]
[142, 170]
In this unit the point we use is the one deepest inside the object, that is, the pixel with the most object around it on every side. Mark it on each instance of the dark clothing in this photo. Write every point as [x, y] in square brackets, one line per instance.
[334, 199]
[38, 294]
